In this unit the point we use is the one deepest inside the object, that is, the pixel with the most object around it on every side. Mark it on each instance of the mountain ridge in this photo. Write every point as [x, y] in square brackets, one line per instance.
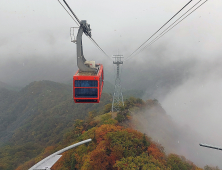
[42, 118]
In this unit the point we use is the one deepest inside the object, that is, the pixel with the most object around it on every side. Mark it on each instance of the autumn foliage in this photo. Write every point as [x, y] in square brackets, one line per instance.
[115, 147]
[156, 152]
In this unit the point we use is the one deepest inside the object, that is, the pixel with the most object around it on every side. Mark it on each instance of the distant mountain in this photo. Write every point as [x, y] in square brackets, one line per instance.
[4, 85]
[9, 87]
[38, 107]
[39, 114]
[42, 118]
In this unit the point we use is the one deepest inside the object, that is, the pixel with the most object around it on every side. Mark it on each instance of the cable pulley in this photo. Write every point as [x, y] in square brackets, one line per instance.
[85, 26]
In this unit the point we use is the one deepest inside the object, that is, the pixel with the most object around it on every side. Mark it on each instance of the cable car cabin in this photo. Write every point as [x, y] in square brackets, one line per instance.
[87, 86]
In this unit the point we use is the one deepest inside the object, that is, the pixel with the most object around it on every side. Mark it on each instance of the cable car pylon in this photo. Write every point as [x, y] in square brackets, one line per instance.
[117, 95]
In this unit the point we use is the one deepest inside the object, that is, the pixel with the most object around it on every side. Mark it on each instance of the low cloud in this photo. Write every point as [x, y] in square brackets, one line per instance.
[175, 137]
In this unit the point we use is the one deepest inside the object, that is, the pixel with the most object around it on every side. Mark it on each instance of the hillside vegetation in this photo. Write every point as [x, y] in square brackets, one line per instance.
[115, 145]
[42, 118]
[36, 117]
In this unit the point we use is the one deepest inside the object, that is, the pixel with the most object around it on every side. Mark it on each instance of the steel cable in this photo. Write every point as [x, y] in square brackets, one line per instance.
[78, 23]
[72, 12]
[168, 28]
[160, 28]
[69, 13]
[177, 23]
[165, 31]
[99, 47]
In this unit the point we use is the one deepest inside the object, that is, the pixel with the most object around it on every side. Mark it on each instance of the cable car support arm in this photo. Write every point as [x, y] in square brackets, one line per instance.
[84, 27]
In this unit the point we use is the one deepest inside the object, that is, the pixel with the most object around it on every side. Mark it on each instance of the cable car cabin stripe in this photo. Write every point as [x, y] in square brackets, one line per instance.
[87, 86]
[86, 101]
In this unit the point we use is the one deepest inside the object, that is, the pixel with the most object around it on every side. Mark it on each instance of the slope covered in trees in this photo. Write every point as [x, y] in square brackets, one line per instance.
[115, 145]
[42, 118]
[36, 117]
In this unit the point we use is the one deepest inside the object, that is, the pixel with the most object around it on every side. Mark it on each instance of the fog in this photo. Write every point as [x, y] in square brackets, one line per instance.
[196, 104]
[182, 69]
[175, 137]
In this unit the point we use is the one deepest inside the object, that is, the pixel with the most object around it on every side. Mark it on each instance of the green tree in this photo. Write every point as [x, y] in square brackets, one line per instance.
[142, 162]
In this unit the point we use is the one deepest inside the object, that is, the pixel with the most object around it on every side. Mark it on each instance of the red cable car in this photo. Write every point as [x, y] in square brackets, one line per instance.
[87, 86]
[88, 80]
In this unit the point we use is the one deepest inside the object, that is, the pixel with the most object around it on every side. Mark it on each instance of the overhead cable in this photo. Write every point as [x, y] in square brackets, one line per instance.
[170, 27]
[78, 23]
[72, 12]
[161, 27]
[69, 13]
[99, 47]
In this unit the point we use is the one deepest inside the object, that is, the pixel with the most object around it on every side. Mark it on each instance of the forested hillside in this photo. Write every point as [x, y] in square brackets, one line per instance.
[115, 145]
[42, 118]
[37, 116]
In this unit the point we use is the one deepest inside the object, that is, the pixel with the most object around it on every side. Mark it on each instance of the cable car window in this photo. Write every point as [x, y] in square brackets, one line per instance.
[86, 83]
[86, 92]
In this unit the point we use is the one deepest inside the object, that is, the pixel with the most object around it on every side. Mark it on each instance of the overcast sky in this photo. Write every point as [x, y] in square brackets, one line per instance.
[182, 69]
[36, 30]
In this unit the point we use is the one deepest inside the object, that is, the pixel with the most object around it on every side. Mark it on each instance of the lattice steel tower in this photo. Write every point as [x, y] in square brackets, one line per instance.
[117, 95]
